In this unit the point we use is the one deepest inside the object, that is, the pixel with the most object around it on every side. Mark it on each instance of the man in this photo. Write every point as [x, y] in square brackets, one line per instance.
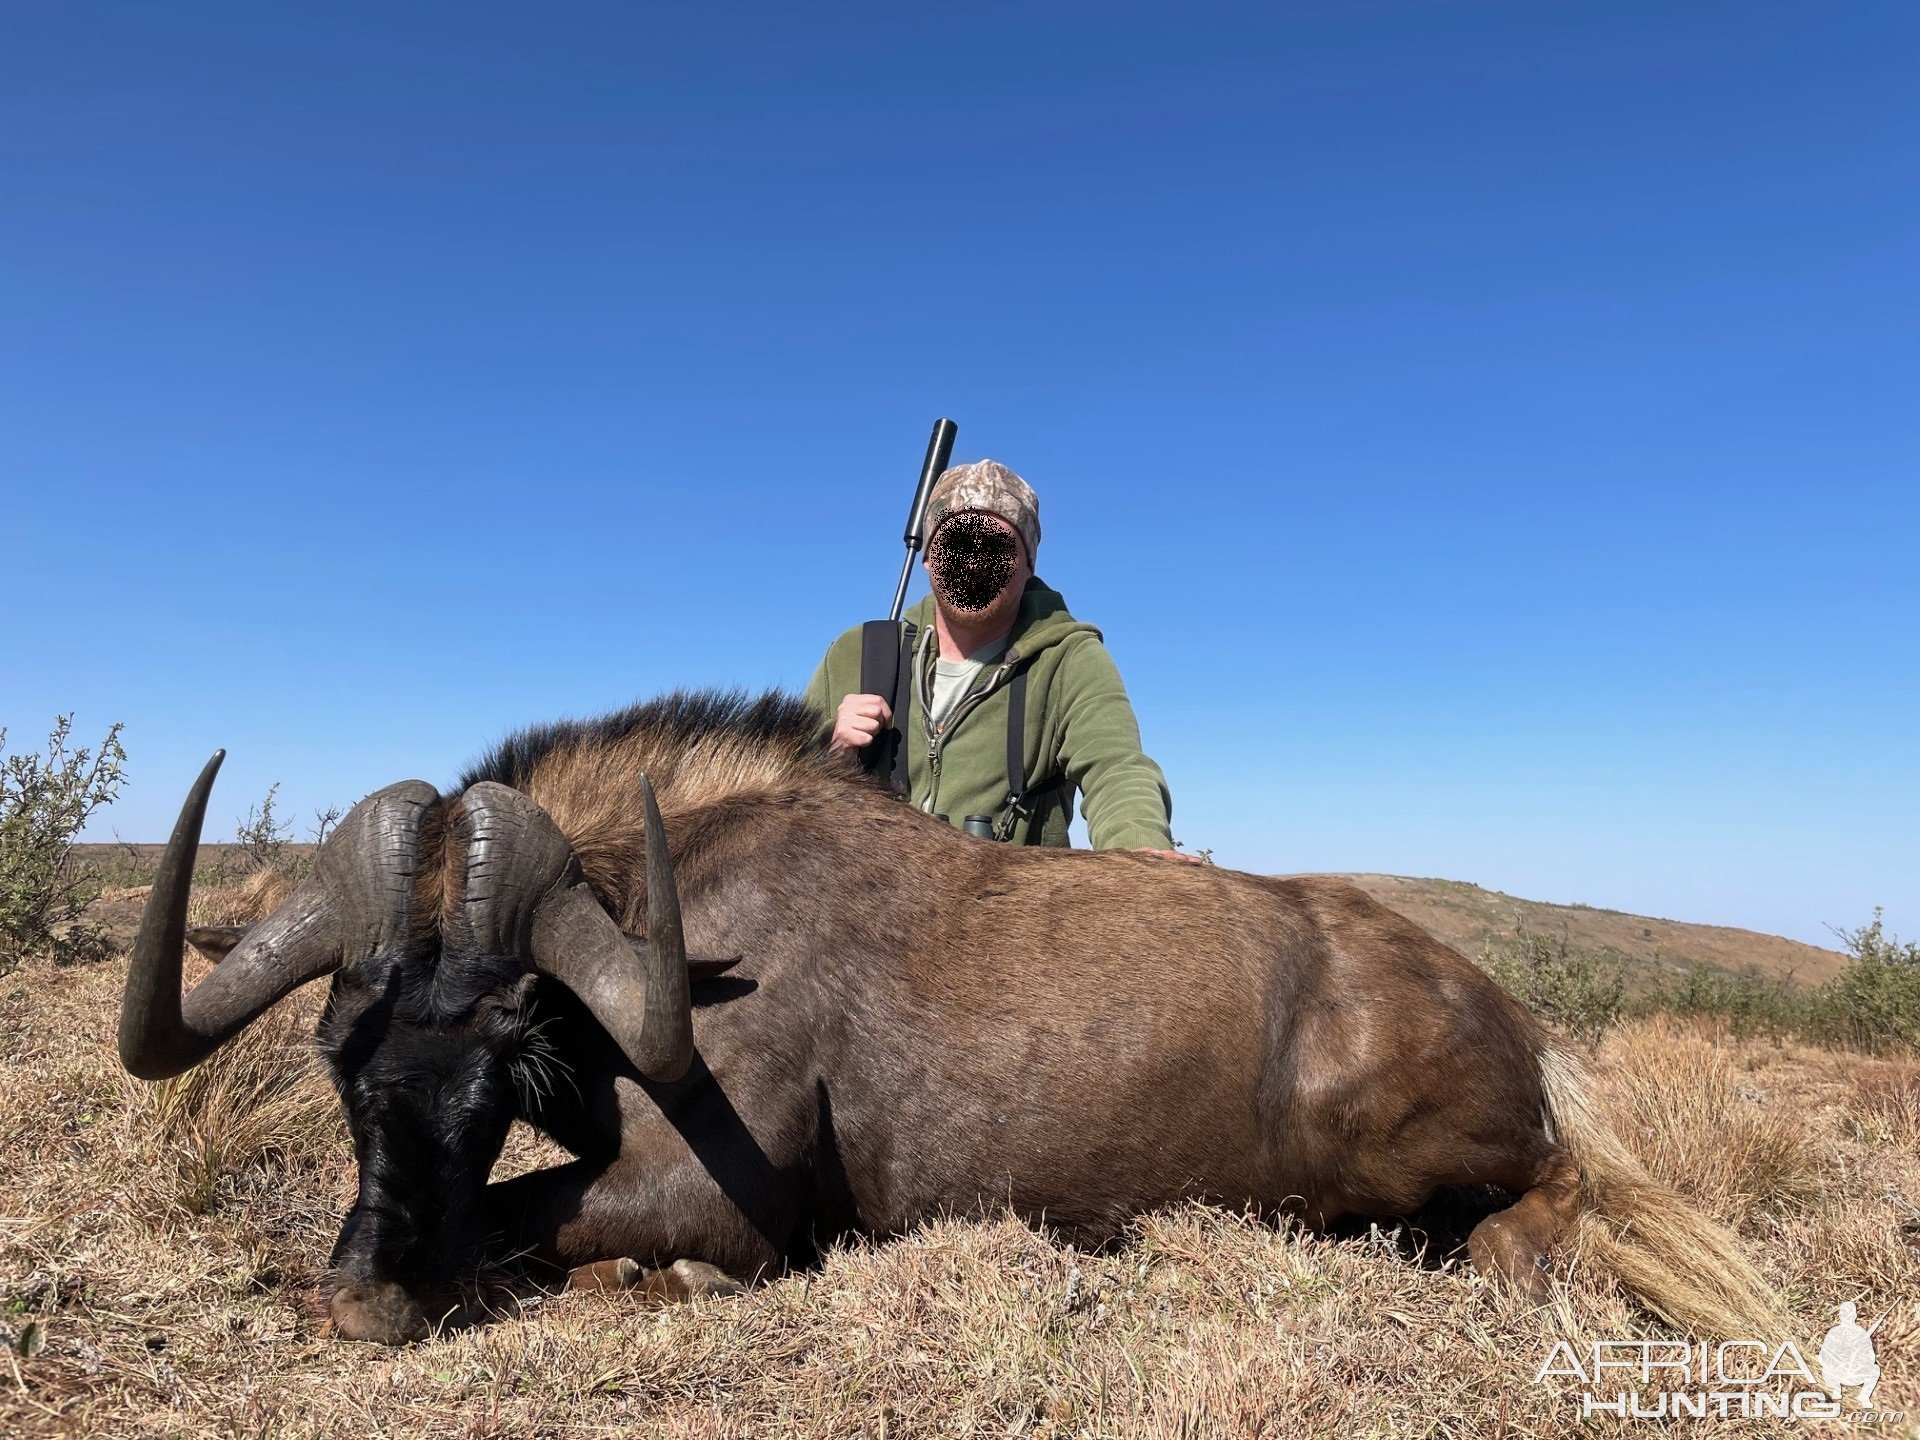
[988, 622]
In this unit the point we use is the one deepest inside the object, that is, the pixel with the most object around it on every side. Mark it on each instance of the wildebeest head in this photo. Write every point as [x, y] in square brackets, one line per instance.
[435, 918]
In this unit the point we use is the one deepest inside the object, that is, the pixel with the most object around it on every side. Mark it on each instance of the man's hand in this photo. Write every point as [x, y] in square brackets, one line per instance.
[860, 718]
[1172, 855]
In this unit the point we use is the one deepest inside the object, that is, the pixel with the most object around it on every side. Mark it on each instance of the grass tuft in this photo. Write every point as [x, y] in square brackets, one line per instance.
[259, 1104]
[1711, 1128]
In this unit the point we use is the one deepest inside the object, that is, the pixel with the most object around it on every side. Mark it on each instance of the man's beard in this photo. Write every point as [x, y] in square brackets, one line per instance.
[970, 562]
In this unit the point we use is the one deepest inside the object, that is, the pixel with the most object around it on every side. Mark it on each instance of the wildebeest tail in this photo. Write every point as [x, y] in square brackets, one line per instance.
[1684, 1267]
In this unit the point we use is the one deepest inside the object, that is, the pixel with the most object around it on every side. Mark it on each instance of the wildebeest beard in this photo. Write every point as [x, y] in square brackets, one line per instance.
[971, 560]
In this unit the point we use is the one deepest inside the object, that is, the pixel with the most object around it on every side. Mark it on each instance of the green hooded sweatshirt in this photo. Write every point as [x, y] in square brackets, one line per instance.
[1080, 732]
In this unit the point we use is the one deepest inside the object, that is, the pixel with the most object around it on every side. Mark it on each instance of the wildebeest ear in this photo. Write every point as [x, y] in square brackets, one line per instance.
[214, 941]
[699, 967]
[514, 998]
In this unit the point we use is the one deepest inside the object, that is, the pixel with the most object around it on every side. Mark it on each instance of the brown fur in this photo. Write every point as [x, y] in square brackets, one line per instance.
[927, 1022]
[441, 874]
[588, 789]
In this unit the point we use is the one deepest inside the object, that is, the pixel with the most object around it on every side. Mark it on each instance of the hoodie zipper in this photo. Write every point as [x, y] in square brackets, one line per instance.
[967, 703]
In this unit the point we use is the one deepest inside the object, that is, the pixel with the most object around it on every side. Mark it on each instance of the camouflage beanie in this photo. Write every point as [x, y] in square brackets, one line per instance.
[992, 489]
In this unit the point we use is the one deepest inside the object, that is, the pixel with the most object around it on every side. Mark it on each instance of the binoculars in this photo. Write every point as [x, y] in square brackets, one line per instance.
[980, 826]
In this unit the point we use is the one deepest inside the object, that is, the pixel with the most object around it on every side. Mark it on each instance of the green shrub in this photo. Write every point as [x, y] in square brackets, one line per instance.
[261, 839]
[1750, 1003]
[45, 801]
[1581, 992]
[1874, 1004]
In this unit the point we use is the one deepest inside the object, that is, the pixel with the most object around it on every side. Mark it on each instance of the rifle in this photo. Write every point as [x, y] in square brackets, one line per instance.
[885, 646]
[939, 452]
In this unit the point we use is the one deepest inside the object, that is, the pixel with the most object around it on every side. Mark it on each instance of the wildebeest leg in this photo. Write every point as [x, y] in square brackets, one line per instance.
[584, 1217]
[1512, 1244]
[525, 1213]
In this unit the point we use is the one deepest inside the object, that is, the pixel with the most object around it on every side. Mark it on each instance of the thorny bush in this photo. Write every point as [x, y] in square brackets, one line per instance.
[45, 801]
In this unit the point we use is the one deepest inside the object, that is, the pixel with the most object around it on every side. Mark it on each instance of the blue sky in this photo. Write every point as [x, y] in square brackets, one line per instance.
[1485, 432]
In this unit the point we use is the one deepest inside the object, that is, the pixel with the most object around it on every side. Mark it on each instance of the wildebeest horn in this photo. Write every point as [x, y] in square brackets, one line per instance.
[525, 895]
[356, 901]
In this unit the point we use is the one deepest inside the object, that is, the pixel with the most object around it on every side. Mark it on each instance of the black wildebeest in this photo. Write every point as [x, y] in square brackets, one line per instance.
[919, 1022]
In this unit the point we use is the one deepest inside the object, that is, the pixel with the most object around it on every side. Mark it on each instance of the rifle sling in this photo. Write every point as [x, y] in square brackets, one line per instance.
[886, 668]
[1019, 793]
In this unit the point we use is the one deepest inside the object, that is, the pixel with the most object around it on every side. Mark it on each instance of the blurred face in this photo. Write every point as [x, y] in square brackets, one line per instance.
[978, 567]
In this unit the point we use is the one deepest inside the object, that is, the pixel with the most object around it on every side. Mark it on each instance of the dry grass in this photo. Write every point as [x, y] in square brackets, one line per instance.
[261, 1104]
[1701, 1120]
[170, 1242]
[1888, 1109]
[242, 903]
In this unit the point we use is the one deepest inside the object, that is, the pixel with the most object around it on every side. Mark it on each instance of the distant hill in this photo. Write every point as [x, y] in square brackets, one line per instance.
[1468, 918]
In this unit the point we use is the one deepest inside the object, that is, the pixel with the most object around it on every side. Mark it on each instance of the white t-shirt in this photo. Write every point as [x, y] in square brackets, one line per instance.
[953, 678]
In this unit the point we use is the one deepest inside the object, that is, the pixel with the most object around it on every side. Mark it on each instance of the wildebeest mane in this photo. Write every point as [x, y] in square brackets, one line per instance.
[773, 726]
[700, 749]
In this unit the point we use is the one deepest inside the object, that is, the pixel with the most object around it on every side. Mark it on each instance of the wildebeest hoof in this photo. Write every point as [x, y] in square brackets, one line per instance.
[378, 1311]
[620, 1274]
[681, 1280]
[685, 1279]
